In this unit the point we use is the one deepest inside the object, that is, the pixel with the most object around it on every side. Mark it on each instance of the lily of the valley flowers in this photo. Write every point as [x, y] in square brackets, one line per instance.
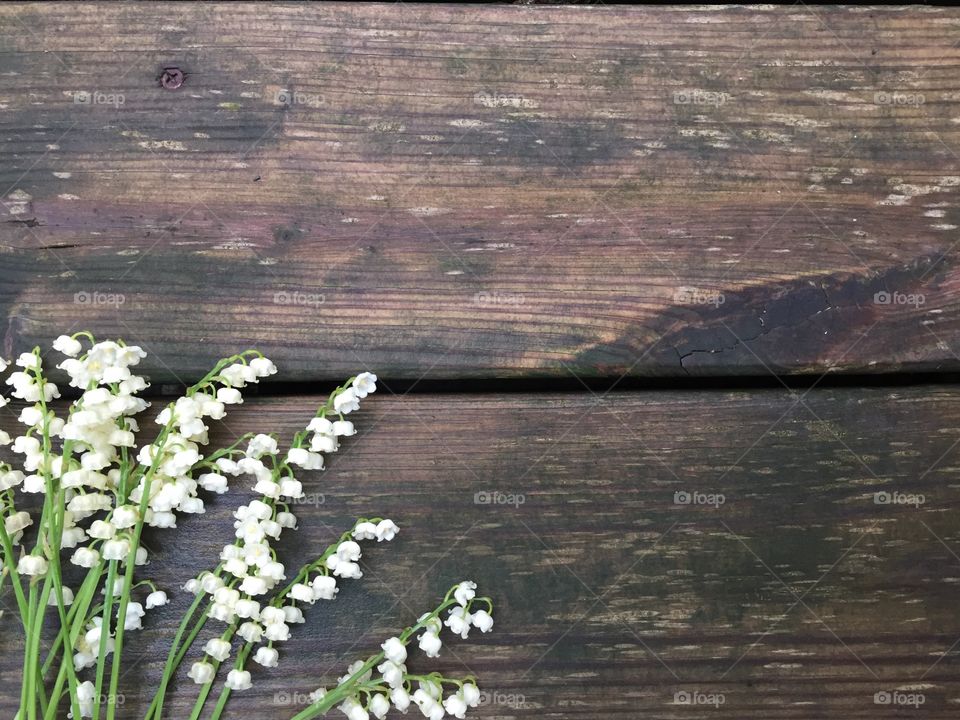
[100, 484]
[383, 681]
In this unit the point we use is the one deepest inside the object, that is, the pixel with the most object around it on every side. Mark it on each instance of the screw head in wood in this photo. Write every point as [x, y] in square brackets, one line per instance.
[171, 78]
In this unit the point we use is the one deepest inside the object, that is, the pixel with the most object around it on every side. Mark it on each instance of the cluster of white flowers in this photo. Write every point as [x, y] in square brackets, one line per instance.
[249, 568]
[362, 693]
[172, 486]
[98, 429]
[88, 645]
[101, 487]
[91, 460]
[344, 562]
[429, 699]
[250, 558]
[326, 433]
[25, 383]
[271, 623]
[96, 436]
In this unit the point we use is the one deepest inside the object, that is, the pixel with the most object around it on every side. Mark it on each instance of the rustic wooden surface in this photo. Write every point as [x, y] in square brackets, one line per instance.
[496, 192]
[799, 597]
[467, 191]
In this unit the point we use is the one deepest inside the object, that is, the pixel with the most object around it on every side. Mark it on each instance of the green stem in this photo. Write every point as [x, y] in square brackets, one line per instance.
[9, 560]
[127, 582]
[138, 528]
[205, 690]
[225, 693]
[81, 603]
[340, 693]
[66, 662]
[26, 689]
[176, 655]
[36, 610]
[106, 618]
[69, 636]
[51, 712]
[32, 648]
[49, 539]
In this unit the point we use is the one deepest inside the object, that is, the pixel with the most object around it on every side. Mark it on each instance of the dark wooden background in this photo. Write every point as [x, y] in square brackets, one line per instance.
[705, 198]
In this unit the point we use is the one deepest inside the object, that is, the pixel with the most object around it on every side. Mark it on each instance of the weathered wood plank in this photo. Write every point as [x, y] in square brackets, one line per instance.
[485, 191]
[611, 596]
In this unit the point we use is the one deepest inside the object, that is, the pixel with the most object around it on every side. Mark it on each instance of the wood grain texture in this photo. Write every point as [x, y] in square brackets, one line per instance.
[798, 597]
[485, 191]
